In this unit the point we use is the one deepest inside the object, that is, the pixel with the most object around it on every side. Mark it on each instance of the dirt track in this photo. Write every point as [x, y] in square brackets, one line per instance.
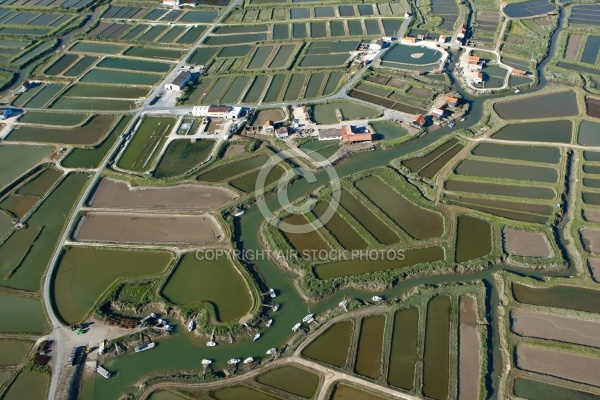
[140, 228]
[570, 366]
[118, 194]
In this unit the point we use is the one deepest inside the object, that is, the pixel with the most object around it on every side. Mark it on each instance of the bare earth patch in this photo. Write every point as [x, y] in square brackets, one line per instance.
[591, 215]
[594, 264]
[570, 366]
[397, 83]
[572, 47]
[420, 92]
[488, 16]
[526, 244]
[234, 150]
[118, 194]
[469, 350]
[590, 238]
[138, 228]
[543, 21]
[268, 115]
[555, 327]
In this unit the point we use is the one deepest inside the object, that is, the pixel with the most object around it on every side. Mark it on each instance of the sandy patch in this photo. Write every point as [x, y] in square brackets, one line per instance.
[118, 194]
[488, 17]
[591, 215]
[417, 55]
[590, 237]
[573, 367]
[594, 264]
[138, 228]
[555, 327]
[469, 362]
[527, 244]
[572, 47]
[234, 150]
[268, 115]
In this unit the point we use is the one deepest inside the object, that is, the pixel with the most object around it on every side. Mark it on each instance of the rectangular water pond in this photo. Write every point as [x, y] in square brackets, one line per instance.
[561, 104]
[522, 153]
[550, 132]
[507, 171]
[340, 228]
[560, 296]
[436, 360]
[404, 349]
[370, 347]
[224, 172]
[531, 192]
[331, 346]
[473, 238]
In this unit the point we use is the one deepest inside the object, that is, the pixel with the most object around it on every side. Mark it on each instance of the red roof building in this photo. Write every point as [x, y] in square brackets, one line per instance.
[420, 120]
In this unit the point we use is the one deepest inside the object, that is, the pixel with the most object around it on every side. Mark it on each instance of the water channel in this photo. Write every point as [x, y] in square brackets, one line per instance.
[183, 351]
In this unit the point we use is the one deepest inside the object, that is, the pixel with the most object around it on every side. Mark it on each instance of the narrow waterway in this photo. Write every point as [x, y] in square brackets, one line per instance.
[182, 351]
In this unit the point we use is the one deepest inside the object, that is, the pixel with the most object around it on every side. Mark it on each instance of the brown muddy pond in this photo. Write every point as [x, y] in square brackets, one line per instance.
[291, 379]
[346, 392]
[436, 366]
[332, 346]
[559, 296]
[473, 238]
[340, 228]
[404, 347]
[370, 347]
[304, 242]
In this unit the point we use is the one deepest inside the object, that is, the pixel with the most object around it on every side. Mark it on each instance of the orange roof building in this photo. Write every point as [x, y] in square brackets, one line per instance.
[410, 39]
[419, 120]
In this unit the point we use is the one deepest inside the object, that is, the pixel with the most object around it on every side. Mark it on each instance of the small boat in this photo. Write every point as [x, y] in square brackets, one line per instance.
[191, 326]
[211, 343]
[376, 298]
[238, 214]
[248, 360]
[268, 323]
[144, 347]
[272, 293]
[206, 362]
[272, 351]
[275, 307]
[255, 338]
[102, 347]
[168, 328]
[451, 124]
[309, 317]
[233, 361]
[343, 303]
[162, 322]
[103, 372]
[517, 91]
[296, 327]
[462, 119]
[149, 316]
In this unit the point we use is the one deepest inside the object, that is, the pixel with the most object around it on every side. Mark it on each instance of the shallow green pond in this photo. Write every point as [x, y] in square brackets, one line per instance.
[305, 243]
[418, 163]
[224, 172]
[241, 393]
[416, 221]
[247, 183]
[207, 279]
[370, 347]
[340, 228]
[88, 134]
[561, 104]
[144, 148]
[183, 155]
[15, 160]
[589, 133]
[120, 77]
[22, 314]
[367, 219]
[325, 114]
[13, 352]
[323, 147]
[291, 379]
[28, 385]
[39, 185]
[507, 171]
[345, 392]
[78, 285]
[473, 238]
[437, 354]
[524, 153]
[404, 347]
[33, 117]
[530, 192]
[331, 346]
[387, 131]
[547, 131]
[535, 390]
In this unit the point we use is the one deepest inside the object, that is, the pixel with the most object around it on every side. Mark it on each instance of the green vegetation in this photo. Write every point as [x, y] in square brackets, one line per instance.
[147, 143]
[182, 156]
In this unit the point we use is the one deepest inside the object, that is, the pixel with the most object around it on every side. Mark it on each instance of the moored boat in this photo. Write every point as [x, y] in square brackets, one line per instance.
[272, 293]
[238, 214]
[103, 372]
[102, 347]
[211, 344]
[233, 361]
[272, 351]
[275, 307]
[248, 360]
[268, 323]
[206, 362]
[143, 347]
[376, 298]
[191, 326]
[296, 327]
[308, 318]
[256, 337]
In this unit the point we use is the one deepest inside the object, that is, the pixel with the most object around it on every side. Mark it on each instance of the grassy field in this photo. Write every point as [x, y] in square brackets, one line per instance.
[144, 148]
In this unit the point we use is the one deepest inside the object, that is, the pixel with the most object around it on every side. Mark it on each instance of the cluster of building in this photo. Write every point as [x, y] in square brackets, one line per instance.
[224, 112]
[474, 67]
[420, 121]
[345, 134]
[177, 3]
[280, 133]
[420, 37]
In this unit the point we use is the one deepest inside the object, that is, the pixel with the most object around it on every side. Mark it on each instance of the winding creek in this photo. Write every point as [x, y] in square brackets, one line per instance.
[183, 351]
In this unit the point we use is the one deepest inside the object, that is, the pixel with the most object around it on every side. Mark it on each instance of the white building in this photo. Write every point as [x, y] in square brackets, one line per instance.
[170, 3]
[282, 133]
[180, 81]
[225, 112]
